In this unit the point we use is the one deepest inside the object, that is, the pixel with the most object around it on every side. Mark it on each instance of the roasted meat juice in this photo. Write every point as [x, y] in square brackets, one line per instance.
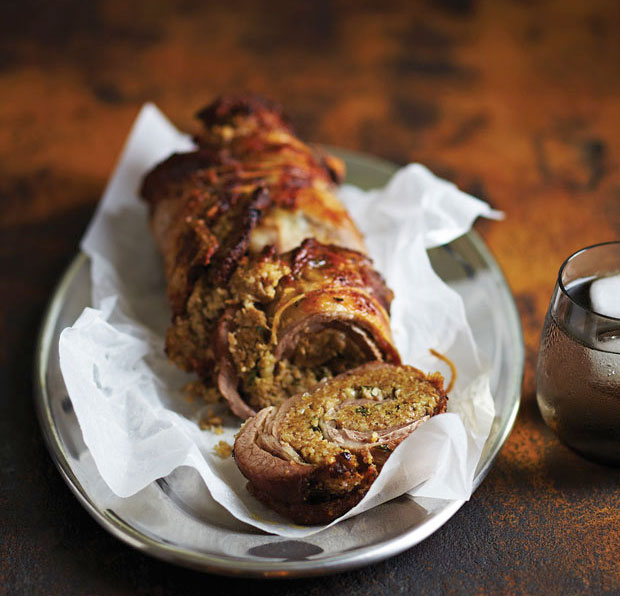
[578, 384]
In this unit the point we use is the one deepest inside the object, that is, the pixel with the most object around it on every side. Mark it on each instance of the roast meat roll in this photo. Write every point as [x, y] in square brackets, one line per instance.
[315, 456]
[266, 274]
[300, 317]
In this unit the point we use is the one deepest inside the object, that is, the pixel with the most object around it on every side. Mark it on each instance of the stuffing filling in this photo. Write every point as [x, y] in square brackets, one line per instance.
[265, 380]
[383, 399]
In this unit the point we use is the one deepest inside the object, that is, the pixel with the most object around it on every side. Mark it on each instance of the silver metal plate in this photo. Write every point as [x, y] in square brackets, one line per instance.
[174, 525]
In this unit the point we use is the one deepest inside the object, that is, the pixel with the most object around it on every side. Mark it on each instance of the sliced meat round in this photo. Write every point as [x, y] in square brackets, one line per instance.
[316, 455]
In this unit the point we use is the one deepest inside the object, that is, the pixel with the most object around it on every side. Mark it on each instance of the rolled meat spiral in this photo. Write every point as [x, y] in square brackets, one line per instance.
[327, 313]
[266, 274]
[316, 455]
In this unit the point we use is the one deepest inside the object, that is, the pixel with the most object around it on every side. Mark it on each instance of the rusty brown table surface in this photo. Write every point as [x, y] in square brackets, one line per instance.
[516, 102]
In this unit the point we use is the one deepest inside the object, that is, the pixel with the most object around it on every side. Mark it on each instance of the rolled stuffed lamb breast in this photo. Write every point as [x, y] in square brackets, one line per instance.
[266, 274]
[316, 455]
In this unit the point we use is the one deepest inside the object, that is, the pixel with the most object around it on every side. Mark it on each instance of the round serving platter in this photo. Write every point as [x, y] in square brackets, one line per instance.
[174, 526]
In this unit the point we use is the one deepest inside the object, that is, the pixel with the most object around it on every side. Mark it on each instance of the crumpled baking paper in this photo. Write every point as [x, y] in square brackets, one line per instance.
[128, 398]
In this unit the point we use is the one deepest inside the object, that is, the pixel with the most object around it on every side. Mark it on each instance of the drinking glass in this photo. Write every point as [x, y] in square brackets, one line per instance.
[578, 374]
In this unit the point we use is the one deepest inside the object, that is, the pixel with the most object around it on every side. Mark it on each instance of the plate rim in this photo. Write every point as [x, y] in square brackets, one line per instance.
[232, 566]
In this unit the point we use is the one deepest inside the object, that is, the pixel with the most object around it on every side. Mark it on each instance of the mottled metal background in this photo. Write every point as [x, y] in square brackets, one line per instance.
[518, 102]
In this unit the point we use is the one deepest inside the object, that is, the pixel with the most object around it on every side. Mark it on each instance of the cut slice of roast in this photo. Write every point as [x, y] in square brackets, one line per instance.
[316, 455]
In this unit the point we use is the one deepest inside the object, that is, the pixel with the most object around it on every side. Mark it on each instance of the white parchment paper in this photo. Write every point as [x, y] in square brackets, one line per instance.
[128, 398]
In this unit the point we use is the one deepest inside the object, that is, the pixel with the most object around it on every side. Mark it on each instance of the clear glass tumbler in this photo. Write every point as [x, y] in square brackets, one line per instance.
[578, 375]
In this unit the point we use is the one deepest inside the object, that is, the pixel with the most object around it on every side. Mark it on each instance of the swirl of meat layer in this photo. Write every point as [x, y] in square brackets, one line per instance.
[316, 455]
[327, 313]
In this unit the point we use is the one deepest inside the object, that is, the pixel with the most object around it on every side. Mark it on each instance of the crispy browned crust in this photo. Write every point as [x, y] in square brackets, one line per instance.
[345, 267]
[320, 490]
[339, 283]
[206, 203]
